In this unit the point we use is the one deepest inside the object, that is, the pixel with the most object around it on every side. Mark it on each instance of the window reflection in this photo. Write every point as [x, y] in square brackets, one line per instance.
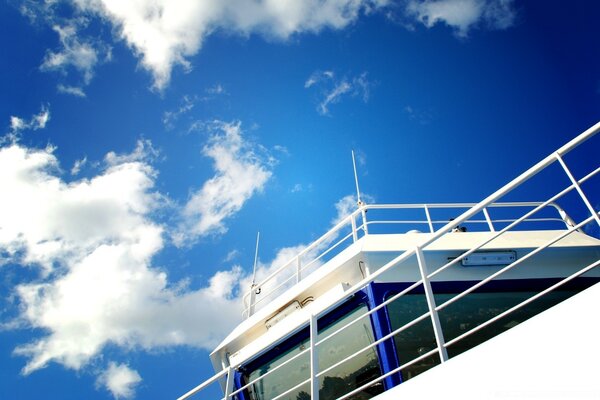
[456, 319]
[340, 380]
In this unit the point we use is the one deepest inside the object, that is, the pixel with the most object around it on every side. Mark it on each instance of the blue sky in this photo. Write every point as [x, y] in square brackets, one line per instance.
[144, 145]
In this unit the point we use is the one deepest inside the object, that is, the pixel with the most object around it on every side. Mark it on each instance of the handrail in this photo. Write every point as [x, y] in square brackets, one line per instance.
[331, 235]
[483, 206]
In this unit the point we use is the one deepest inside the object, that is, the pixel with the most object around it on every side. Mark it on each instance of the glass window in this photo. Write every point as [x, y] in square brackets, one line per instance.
[336, 382]
[456, 319]
[415, 341]
[477, 308]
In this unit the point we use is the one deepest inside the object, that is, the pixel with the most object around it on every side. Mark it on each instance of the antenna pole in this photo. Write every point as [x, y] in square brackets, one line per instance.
[255, 260]
[359, 201]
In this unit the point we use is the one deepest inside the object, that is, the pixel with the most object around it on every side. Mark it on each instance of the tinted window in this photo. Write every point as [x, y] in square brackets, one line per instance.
[336, 382]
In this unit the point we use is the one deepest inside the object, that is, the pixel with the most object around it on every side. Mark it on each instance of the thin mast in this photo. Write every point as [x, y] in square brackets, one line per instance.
[255, 260]
[359, 201]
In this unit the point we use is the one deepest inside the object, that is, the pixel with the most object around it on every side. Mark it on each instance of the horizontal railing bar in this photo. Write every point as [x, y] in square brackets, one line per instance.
[271, 370]
[204, 384]
[471, 221]
[523, 304]
[291, 264]
[292, 389]
[512, 265]
[339, 242]
[381, 340]
[314, 244]
[392, 372]
[447, 205]
[374, 309]
[501, 232]
[293, 275]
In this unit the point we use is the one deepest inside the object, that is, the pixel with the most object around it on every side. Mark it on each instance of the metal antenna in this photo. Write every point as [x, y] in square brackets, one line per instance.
[359, 201]
[255, 260]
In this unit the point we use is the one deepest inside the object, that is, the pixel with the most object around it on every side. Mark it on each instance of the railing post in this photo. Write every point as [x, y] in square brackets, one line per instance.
[298, 269]
[314, 359]
[229, 384]
[488, 219]
[364, 219]
[435, 320]
[428, 218]
[252, 300]
[578, 188]
[353, 222]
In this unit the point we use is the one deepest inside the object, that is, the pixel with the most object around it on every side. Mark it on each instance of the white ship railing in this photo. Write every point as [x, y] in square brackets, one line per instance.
[330, 244]
[225, 377]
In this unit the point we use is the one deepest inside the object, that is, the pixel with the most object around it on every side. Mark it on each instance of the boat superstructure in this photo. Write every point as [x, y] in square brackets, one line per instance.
[393, 290]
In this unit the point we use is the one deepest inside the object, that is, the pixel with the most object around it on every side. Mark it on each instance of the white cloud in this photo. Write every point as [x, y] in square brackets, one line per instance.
[78, 165]
[81, 54]
[144, 151]
[94, 240]
[232, 255]
[35, 122]
[334, 89]
[72, 90]
[166, 33]
[17, 124]
[120, 380]
[462, 15]
[240, 172]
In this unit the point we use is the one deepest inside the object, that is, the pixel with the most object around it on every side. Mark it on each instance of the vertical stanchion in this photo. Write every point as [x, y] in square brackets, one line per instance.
[488, 219]
[364, 219]
[428, 218]
[314, 360]
[435, 320]
[229, 385]
[578, 188]
[252, 300]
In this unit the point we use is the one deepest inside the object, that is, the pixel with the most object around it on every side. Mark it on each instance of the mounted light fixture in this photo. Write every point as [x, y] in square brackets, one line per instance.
[481, 258]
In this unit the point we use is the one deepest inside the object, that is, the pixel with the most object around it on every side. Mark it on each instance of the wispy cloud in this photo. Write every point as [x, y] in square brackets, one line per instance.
[462, 15]
[77, 165]
[217, 89]
[75, 52]
[240, 172]
[187, 103]
[35, 122]
[232, 255]
[72, 90]
[333, 89]
[144, 152]
[119, 380]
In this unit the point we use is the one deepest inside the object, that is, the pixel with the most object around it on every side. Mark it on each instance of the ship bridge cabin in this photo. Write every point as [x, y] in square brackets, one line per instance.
[395, 290]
